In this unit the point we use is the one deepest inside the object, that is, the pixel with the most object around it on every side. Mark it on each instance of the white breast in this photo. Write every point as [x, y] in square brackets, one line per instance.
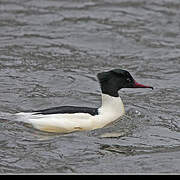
[112, 108]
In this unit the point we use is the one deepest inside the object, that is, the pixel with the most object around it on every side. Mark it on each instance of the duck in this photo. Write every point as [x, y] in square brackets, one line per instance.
[68, 119]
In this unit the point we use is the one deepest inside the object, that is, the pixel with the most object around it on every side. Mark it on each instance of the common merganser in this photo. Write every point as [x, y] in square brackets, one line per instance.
[66, 119]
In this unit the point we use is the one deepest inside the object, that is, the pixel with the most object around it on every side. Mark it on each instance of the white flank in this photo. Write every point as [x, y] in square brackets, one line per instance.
[112, 108]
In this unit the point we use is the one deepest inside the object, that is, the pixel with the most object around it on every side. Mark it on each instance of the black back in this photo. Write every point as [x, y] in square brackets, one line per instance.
[68, 110]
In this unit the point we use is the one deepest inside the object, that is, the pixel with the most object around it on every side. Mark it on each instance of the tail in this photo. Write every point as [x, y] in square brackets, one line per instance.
[23, 117]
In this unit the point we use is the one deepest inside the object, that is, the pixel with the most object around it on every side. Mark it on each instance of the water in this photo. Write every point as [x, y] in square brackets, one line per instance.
[50, 53]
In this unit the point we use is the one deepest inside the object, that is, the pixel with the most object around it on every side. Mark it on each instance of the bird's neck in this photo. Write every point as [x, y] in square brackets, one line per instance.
[112, 104]
[112, 109]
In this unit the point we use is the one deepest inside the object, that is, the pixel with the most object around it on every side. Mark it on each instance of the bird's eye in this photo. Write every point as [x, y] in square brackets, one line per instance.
[128, 80]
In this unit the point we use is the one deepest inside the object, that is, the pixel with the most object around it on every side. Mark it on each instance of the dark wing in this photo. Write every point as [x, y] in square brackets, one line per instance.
[68, 110]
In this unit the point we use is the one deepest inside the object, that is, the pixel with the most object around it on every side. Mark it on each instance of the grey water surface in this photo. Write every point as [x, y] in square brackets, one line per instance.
[50, 53]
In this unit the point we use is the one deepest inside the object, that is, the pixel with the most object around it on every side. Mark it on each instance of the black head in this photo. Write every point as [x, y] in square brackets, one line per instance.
[112, 81]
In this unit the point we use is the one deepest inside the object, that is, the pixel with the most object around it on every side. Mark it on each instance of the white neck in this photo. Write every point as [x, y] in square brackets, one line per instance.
[113, 103]
[111, 109]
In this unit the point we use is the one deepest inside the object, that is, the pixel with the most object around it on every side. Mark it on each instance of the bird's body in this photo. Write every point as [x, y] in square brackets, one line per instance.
[66, 119]
[112, 108]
